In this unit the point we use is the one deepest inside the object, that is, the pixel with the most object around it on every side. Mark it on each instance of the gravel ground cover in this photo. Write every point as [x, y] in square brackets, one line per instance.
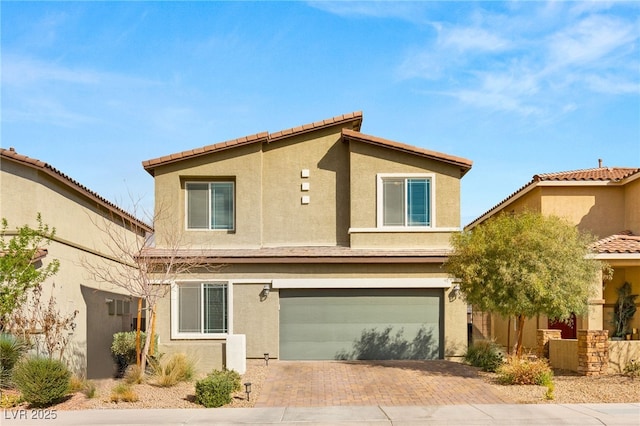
[569, 388]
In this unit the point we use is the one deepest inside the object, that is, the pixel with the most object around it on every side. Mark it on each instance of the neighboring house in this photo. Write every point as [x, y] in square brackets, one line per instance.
[331, 244]
[604, 201]
[28, 187]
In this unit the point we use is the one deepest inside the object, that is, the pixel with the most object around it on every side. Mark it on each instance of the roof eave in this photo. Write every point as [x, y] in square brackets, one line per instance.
[464, 164]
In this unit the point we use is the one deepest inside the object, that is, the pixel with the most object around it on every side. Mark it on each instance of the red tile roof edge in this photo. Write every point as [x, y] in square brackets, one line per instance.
[622, 242]
[11, 154]
[356, 117]
[463, 163]
[614, 174]
[627, 172]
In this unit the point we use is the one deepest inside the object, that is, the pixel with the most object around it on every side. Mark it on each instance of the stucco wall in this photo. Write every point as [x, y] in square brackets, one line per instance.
[632, 206]
[596, 209]
[242, 165]
[366, 162]
[325, 220]
[258, 319]
[24, 192]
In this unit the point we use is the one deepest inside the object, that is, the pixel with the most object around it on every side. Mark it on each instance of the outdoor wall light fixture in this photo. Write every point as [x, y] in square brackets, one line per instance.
[455, 291]
[266, 359]
[247, 389]
[265, 289]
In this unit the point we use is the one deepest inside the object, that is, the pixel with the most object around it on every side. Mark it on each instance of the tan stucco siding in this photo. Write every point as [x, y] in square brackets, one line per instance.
[24, 192]
[243, 165]
[366, 163]
[632, 207]
[325, 219]
[598, 210]
[258, 318]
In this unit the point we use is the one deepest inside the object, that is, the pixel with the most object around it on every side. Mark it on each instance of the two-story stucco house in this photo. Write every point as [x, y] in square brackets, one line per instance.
[329, 239]
[604, 201]
[29, 186]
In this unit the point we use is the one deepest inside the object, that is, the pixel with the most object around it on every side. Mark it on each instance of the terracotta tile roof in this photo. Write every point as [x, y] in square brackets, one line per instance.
[11, 154]
[624, 242]
[330, 254]
[355, 118]
[463, 163]
[599, 174]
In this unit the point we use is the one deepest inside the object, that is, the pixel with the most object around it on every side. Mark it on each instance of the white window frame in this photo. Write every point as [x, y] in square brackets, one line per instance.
[186, 206]
[176, 334]
[380, 177]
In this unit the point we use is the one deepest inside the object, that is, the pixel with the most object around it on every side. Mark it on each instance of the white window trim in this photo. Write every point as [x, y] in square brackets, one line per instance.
[176, 335]
[379, 200]
[186, 206]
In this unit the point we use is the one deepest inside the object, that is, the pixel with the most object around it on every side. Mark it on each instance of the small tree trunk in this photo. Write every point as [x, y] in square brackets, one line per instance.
[138, 332]
[520, 333]
[153, 331]
[147, 344]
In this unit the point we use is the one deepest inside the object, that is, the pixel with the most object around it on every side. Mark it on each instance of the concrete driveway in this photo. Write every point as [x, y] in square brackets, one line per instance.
[388, 383]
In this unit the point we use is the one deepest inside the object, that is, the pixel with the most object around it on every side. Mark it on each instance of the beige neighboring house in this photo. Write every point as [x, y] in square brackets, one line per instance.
[28, 187]
[604, 201]
[330, 242]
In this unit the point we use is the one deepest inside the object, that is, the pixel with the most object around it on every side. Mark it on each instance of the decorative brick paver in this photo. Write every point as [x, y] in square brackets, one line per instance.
[331, 383]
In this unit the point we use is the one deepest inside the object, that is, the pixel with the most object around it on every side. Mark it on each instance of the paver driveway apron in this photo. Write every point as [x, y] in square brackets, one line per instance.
[331, 383]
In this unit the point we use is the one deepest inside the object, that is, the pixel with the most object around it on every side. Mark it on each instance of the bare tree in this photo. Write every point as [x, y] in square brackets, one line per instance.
[134, 264]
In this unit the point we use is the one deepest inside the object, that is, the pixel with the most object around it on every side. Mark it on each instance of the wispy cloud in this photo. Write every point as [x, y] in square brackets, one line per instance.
[408, 11]
[576, 51]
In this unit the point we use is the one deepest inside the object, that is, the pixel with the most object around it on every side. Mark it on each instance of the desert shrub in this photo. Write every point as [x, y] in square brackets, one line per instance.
[484, 354]
[10, 400]
[133, 375]
[79, 384]
[632, 369]
[123, 392]
[11, 350]
[523, 371]
[178, 368]
[215, 390]
[42, 381]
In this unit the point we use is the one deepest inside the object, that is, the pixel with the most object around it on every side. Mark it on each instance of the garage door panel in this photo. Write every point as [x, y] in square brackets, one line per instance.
[360, 324]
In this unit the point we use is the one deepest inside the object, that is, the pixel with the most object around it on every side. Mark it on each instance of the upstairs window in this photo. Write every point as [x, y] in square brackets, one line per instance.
[404, 201]
[210, 205]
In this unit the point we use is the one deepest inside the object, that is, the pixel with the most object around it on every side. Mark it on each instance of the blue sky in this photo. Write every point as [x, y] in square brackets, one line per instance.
[518, 87]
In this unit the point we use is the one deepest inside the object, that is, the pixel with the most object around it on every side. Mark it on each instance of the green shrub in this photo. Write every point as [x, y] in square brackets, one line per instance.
[42, 381]
[123, 349]
[215, 390]
[178, 368]
[632, 369]
[11, 350]
[523, 371]
[10, 400]
[484, 354]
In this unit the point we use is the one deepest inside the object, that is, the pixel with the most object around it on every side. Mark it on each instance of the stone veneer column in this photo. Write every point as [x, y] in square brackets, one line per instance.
[593, 352]
[543, 337]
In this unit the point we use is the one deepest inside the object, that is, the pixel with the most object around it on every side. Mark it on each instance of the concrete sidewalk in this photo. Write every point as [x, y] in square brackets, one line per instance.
[466, 414]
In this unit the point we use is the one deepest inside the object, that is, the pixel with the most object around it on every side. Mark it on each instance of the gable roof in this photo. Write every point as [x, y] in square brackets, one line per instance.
[11, 155]
[463, 163]
[354, 119]
[595, 176]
